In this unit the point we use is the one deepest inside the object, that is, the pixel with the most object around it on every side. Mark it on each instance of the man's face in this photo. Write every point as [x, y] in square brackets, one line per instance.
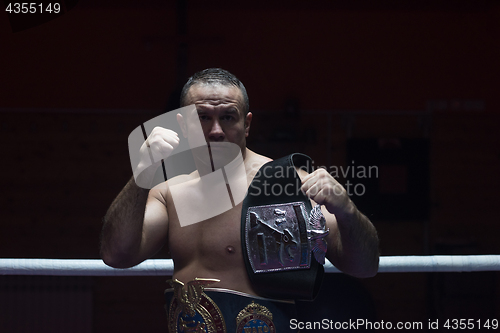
[221, 113]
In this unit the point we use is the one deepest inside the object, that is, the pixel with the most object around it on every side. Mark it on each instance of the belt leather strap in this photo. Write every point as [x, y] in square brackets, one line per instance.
[301, 284]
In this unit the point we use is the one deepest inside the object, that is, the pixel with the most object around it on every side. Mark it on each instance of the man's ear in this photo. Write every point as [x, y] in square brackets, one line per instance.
[248, 121]
[182, 124]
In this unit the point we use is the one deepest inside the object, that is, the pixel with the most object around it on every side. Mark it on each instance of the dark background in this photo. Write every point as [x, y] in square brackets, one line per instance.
[411, 87]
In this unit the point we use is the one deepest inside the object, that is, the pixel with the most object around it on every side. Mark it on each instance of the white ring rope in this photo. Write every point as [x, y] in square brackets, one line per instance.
[165, 267]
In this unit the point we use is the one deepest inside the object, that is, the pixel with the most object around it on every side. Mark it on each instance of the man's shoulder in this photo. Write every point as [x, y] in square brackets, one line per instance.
[182, 178]
[260, 160]
[254, 161]
[162, 188]
[257, 158]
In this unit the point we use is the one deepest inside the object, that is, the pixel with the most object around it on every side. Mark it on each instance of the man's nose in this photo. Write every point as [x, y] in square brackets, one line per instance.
[216, 133]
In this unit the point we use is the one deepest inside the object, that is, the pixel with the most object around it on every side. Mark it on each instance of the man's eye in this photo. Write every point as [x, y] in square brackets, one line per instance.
[203, 117]
[227, 118]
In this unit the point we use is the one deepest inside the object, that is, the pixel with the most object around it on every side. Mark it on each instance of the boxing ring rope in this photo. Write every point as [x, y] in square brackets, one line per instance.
[165, 267]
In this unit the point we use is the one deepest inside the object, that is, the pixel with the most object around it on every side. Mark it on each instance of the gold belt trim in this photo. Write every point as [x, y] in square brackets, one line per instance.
[192, 310]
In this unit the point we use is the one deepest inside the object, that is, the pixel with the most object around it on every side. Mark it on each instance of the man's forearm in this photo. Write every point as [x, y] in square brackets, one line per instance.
[358, 252]
[123, 224]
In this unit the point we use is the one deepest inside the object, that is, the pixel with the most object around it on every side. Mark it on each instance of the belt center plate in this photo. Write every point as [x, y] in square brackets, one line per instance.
[276, 237]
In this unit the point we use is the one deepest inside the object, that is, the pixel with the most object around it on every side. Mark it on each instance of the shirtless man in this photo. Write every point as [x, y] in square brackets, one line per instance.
[139, 221]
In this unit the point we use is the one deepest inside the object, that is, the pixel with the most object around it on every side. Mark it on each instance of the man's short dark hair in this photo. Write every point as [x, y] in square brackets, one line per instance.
[215, 76]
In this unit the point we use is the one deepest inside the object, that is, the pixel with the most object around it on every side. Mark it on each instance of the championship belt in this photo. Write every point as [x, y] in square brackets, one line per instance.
[192, 311]
[255, 318]
[192, 307]
[281, 232]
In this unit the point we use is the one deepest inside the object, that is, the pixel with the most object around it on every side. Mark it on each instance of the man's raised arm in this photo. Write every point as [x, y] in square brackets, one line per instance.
[136, 224]
[121, 235]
